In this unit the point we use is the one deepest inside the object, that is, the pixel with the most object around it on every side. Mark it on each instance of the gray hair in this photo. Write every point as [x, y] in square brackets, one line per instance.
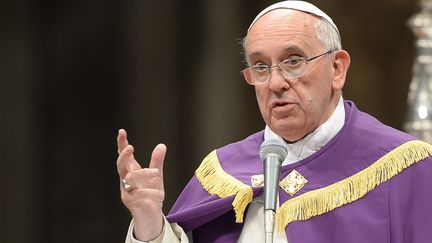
[327, 34]
[324, 31]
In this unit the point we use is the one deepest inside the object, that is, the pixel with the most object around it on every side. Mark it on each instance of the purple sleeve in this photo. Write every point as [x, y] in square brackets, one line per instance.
[410, 204]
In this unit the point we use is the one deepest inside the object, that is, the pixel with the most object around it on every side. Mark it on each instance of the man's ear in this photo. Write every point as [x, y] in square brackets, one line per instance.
[341, 64]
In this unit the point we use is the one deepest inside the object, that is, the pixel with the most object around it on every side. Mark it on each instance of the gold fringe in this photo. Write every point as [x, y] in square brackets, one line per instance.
[217, 182]
[320, 201]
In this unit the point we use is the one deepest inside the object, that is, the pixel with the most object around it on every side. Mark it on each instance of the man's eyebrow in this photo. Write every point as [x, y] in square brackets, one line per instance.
[256, 54]
[291, 49]
[288, 49]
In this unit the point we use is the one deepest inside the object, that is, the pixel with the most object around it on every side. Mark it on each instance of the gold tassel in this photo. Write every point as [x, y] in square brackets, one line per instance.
[217, 182]
[320, 201]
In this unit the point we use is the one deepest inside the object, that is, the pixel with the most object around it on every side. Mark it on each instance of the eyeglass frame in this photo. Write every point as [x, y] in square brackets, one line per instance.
[269, 68]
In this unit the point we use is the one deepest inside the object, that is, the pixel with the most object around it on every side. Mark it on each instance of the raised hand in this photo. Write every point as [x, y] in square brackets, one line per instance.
[142, 189]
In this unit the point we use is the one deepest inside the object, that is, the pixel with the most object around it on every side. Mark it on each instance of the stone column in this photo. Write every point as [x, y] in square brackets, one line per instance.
[418, 120]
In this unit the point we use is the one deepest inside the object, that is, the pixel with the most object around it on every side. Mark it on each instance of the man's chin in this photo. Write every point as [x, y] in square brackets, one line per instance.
[288, 131]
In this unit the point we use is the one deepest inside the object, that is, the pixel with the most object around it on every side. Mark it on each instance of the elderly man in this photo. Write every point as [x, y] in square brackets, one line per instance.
[347, 177]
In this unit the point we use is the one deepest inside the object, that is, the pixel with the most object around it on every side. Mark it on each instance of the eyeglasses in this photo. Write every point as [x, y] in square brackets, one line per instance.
[291, 68]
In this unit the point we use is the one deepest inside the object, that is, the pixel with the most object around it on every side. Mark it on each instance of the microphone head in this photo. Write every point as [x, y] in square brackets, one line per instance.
[273, 147]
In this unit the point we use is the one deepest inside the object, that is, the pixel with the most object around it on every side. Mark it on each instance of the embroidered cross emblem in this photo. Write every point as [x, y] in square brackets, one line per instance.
[293, 182]
[257, 180]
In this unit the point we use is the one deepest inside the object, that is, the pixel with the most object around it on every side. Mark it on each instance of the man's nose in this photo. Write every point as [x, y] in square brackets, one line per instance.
[276, 80]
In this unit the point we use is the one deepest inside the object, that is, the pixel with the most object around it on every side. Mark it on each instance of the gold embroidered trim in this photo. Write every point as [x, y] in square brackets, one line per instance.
[217, 182]
[320, 201]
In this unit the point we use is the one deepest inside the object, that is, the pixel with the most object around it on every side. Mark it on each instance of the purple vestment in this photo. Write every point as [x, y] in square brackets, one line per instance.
[398, 210]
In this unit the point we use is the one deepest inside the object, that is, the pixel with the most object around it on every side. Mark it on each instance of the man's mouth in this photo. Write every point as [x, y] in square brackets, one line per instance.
[282, 107]
[279, 104]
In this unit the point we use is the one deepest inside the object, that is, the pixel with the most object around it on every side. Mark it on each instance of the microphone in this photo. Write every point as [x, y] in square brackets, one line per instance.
[272, 152]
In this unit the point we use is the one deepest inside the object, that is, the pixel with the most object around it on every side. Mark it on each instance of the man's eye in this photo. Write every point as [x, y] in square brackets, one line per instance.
[293, 61]
[260, 68]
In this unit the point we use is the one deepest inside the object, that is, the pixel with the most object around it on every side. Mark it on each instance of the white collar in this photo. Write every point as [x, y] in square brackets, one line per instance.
[314, 141]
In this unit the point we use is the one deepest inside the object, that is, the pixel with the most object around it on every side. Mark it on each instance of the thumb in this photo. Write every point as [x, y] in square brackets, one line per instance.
[158, 157]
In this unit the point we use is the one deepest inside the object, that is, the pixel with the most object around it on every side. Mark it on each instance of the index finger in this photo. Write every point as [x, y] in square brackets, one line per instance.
[126, 162]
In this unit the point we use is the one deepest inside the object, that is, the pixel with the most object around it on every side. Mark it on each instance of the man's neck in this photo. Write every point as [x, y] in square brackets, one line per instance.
[311, 143]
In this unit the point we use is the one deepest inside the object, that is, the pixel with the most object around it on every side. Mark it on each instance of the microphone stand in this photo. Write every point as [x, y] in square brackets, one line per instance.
[269, 216]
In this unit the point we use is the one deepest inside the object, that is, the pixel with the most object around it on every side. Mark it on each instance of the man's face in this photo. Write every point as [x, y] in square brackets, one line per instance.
[291, 108]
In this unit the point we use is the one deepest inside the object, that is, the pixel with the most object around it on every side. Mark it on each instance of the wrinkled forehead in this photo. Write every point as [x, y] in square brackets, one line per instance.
[284, 31]
[295, 5]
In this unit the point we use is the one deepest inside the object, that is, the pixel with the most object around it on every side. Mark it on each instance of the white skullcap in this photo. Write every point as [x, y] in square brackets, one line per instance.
[296, 5]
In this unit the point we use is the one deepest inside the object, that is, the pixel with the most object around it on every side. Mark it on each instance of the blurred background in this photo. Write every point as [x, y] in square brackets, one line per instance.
[73, 72]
